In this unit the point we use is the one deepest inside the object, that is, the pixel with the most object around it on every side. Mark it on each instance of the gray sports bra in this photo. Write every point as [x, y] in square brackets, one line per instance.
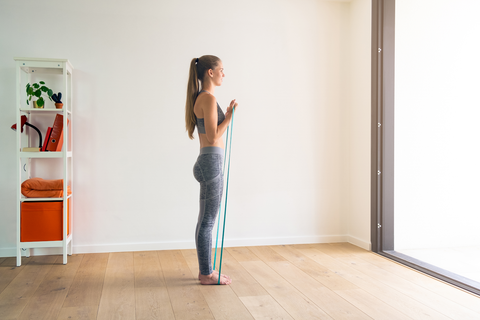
[201, 121]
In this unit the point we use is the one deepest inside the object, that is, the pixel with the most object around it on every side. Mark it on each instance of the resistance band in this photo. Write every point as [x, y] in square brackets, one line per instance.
[226, 198]
[220, 207]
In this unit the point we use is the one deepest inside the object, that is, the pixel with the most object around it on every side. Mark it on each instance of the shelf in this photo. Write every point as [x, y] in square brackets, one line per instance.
[40, 65]
[44, 244]
[34, 60]
[28, 110]
[47, 155]
[23, 199]
[29, 70]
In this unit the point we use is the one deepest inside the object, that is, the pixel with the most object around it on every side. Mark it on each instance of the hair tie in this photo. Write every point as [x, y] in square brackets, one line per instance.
[196, 61]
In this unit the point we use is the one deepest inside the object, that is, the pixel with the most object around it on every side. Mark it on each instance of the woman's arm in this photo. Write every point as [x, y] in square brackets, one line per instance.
[214, 132]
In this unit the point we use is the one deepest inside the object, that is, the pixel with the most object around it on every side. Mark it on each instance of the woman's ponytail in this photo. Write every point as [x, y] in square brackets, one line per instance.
[192, 91]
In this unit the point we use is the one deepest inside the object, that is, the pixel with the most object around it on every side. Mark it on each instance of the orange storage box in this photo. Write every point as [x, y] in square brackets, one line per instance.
[43, 221]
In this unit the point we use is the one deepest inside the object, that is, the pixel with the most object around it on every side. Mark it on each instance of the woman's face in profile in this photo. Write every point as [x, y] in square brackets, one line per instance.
[218, 74]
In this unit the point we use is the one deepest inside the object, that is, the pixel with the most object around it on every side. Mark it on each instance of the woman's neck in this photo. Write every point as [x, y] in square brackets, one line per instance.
[210, 87]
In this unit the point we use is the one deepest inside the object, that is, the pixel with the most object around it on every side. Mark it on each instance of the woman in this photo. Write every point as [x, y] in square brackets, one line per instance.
[203, 111]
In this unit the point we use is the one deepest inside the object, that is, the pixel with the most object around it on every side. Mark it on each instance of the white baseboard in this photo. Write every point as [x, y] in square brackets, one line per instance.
[11, 252]
[280, 241]
[367, 245]
[178, 245]
[127, 247]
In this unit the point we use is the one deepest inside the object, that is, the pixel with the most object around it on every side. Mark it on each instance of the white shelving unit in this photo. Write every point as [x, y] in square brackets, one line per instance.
[30, 70]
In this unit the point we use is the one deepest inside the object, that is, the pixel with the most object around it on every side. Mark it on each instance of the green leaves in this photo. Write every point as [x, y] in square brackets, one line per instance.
[40, 102]
[36, 90]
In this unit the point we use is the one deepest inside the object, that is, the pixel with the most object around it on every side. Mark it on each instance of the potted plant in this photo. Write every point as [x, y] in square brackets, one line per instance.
[36, 90]
[58, 100]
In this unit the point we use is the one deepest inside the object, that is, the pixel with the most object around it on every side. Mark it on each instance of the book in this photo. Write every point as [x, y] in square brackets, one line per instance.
[55, 134]
[31, 149]
[60, 140]
[47, 136]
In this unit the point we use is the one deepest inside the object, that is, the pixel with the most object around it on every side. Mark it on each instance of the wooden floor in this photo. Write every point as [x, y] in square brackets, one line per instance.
[320, 281]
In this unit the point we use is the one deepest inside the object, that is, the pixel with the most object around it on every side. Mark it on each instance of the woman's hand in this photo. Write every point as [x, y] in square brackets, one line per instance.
[233, 105]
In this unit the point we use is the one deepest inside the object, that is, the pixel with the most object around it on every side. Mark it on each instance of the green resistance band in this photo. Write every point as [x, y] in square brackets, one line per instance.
[226, 197]
[220, 207]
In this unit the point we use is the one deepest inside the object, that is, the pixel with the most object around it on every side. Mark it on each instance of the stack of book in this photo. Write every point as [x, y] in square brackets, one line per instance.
[54, 137]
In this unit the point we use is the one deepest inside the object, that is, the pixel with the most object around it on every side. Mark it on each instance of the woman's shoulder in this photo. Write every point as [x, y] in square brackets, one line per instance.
[206, 100]
[205, 103]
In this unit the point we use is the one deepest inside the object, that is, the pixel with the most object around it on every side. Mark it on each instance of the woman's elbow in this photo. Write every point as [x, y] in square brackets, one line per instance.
[212, 140]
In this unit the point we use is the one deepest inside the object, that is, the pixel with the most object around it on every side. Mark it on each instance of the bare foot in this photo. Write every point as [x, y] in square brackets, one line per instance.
[213, 279]
[215, 273]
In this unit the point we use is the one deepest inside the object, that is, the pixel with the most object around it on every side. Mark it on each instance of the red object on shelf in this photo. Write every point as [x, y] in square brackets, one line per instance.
[23, 120]
[60, 140]
[56, 132]
[43, 221]
[40, 188]
[47, 137]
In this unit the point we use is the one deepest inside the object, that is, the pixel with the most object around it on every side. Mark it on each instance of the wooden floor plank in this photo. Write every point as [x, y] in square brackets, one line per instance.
[78, 313]
[338, 250]
[320, 273]
[118, 293]
[424, 296]
[267, 254]
[187, 301]
[243, 283]
[265, 308]
[151, 295]
[9, 270]
[294, 302]
[371, 305]
[48, 299]
[448, 291]
[83, 298]
[388, 294]
[18, 293]
[221, 299]
[354, 249]
[333, 304]
[242, 254]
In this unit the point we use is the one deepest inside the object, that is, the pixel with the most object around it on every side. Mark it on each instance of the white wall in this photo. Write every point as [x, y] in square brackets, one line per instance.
[358, 115]
[288, 63]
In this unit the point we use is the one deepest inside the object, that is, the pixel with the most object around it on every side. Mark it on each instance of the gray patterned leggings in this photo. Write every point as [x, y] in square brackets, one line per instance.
[208, 171]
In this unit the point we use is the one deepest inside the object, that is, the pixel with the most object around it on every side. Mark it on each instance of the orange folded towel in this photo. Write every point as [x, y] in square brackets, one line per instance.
[40, 188]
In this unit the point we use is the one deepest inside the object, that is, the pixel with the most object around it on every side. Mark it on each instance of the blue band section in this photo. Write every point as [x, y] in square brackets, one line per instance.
[220, 206]
[226, 197]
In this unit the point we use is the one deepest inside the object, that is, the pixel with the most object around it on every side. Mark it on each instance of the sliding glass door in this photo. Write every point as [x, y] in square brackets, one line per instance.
[427, 136]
